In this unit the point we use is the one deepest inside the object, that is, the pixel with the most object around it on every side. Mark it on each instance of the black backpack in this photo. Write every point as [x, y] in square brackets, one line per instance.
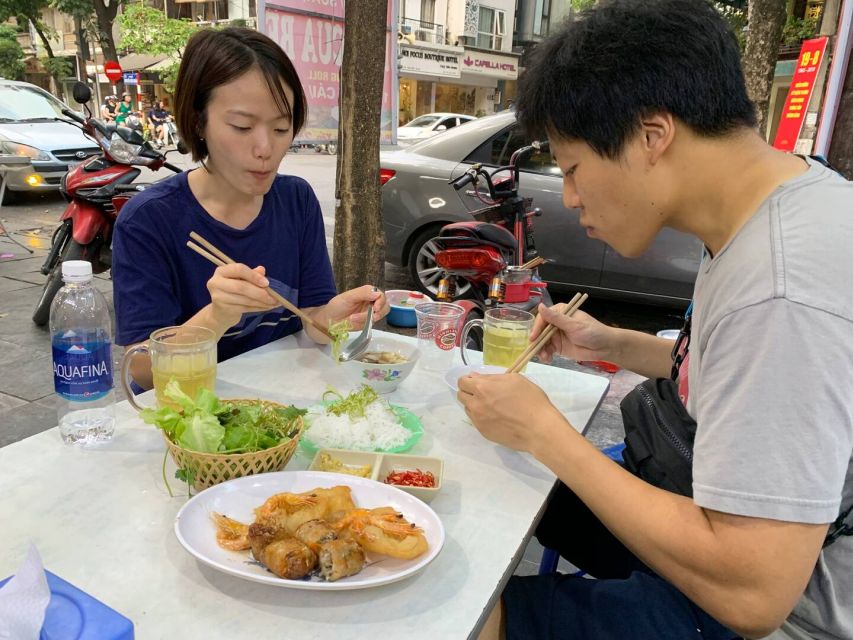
[659, 435]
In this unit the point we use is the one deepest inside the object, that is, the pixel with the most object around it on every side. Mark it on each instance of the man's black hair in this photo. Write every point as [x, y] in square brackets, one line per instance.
[596, 77]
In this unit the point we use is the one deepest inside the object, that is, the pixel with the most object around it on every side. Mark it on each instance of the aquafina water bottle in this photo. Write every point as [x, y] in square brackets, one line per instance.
[82, 358]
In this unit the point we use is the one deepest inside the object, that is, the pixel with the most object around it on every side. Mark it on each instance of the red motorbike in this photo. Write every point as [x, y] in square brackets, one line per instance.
[95, 189]
[495, 253]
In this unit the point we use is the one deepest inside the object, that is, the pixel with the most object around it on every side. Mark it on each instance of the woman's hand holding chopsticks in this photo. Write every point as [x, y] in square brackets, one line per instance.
[236, 289]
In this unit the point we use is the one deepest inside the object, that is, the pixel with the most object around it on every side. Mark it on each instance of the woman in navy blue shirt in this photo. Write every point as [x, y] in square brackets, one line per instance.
[238, 105]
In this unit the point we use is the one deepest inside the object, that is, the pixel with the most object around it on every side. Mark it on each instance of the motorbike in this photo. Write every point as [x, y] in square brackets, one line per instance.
[95, 190]
[495, 254]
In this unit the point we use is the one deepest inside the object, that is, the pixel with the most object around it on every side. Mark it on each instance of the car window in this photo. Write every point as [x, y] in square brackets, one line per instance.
[498, 149]
[449, 122]
[24, 103]
[422, 121]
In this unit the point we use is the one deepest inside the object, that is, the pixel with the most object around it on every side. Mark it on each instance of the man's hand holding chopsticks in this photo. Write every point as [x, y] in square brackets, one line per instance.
[580, 336]
[508, 409]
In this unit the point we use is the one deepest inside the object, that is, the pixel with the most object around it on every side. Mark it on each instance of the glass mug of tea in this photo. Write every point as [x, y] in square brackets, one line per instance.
[506, 334]
[187, 354]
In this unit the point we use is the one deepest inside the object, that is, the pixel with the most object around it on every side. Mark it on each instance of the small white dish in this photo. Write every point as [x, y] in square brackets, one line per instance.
[451, 378]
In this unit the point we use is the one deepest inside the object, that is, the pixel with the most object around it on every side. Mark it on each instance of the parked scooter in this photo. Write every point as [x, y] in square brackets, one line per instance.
[95, 190]
[495, 253]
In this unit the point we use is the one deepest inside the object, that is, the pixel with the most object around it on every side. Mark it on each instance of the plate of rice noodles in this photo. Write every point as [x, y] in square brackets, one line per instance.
[361, 421]
[310, 530]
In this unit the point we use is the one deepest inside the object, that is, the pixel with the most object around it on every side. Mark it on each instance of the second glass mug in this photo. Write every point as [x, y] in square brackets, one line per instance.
[506, 334]
[185, 353]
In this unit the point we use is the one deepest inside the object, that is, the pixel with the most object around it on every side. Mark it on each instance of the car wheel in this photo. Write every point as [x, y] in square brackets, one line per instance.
[423, 269]
[332, 149]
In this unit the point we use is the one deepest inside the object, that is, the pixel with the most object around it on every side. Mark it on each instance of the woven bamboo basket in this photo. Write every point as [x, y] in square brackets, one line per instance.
[212, 468]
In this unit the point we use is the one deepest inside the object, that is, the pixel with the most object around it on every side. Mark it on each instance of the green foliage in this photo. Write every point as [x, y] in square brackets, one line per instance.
[796, 30]
[149, 31]
[30, 9]
[59, 68]
[11, 56]
[735, 13]
[581, 5]
[78, 8]
[169, 76]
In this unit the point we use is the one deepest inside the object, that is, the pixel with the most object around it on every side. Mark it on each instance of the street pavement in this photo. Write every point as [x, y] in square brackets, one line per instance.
[26, 384]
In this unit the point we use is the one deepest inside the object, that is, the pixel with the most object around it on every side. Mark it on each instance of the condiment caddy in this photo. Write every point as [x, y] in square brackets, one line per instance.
[379, 466]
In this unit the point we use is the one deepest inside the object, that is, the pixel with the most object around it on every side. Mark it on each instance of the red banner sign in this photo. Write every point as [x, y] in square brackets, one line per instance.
[797, 102]
[311, 32]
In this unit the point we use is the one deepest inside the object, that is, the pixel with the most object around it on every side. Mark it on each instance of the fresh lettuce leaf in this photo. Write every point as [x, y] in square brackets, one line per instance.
[203, 433]
[165, 418]
[237, 438]
[174, 393]
[206, 401]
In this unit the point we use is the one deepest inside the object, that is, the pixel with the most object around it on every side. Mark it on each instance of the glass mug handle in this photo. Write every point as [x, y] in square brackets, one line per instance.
[477, 322]
[125, 373]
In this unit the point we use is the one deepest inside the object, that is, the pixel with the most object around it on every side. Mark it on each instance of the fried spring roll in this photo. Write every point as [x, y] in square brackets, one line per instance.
[339, 559]
[288, 558]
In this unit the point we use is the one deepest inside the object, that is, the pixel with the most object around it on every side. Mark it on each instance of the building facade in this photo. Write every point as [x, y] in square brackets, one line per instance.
[455, 56]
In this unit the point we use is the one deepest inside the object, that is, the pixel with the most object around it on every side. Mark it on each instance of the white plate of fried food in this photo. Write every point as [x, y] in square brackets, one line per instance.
[320, 530]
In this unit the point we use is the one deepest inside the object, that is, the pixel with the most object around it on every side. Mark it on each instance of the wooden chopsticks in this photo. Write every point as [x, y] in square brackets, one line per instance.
[218, 258]
[542, 340]
[538, 261]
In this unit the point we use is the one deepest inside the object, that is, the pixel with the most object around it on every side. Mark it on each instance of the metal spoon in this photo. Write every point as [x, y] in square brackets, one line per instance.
[358, 345]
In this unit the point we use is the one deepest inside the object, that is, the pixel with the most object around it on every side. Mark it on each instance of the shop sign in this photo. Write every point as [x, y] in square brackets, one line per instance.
[489, 64]
[429, 62]
[800, 93]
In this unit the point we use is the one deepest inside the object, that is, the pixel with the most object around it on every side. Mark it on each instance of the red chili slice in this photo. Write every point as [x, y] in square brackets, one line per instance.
[411, 478]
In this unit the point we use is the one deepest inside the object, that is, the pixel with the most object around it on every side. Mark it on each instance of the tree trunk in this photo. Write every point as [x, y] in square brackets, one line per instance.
[106, 14]
[840, 154]
[359, 252]
[766, 19]
[39, 30]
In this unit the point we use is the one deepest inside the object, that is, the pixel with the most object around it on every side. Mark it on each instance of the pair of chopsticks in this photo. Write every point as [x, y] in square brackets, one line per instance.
[536, 347]
[218, 258]
[535, 262]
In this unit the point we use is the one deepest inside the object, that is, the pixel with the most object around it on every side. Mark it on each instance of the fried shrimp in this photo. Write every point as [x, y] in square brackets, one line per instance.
[384, 531]
[231, 534]
[291, 510]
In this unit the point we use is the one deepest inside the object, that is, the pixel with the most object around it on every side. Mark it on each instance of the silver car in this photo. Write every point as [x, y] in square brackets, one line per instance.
[32, 126]
[417, 201]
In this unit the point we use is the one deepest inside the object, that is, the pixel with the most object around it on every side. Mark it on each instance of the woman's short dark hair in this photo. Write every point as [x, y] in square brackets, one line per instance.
[599, 75]
[216, 57]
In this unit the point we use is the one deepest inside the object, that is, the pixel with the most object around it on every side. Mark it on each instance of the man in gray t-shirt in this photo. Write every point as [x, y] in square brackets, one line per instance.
[645, 108]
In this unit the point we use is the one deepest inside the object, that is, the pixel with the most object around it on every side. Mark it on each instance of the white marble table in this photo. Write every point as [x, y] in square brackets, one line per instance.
[102, 519]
